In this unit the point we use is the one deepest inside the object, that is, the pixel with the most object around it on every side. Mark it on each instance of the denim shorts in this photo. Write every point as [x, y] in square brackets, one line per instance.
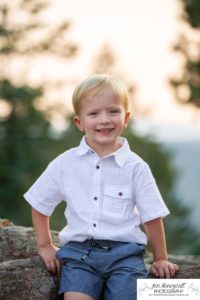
[102, 269]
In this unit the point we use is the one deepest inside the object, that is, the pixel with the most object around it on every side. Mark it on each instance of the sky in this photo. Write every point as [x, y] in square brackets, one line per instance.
[142, 34]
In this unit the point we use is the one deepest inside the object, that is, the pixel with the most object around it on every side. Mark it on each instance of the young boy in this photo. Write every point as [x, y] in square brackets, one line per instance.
[109, 192]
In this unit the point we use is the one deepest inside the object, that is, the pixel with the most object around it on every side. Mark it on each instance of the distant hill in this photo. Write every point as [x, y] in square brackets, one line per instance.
[186, 158]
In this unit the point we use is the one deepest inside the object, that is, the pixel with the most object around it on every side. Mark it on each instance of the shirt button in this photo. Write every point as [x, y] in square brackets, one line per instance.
[120, 194]
[95, 198]
[94, 225]
[97, 167]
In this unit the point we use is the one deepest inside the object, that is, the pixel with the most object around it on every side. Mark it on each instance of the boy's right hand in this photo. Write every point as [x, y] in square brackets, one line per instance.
[47, 252]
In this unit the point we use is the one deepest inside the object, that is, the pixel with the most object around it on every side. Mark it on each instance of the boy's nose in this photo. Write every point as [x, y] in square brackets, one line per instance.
[104, 118]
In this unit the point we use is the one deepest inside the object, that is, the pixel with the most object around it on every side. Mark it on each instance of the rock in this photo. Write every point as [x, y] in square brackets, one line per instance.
[189, 265]
[189, 272]
[27, 279]
[185, 261]
[19, 242]
[5, 222]
[22, 272]
[23, 275]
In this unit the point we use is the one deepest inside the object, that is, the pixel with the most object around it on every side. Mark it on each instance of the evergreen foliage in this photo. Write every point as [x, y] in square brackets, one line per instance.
[187, 87]
[27, 144]
[25, 132]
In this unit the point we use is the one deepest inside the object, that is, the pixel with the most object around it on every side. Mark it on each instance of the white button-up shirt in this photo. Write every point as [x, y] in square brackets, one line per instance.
[107, 198]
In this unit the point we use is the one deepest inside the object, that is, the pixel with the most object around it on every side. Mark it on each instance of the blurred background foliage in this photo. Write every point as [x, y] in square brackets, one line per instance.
[28, 140]
[189, 48]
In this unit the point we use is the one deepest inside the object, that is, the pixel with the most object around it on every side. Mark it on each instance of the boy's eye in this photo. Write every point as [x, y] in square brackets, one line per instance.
[93, 113]
[114, 111]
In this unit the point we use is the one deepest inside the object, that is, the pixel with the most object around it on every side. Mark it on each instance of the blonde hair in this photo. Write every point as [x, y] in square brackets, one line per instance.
[94, 85]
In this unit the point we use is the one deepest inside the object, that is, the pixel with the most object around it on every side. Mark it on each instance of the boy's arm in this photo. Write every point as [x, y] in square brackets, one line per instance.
[43, 235]
[161, 267]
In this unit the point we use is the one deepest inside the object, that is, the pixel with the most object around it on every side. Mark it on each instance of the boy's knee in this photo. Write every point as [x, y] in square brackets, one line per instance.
[76, 296]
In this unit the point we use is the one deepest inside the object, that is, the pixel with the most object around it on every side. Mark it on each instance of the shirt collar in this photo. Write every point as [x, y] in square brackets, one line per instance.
[120, 155]
[83, 148]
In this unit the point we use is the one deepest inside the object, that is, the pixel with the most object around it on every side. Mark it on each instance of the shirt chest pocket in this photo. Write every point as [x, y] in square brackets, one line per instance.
[117, 201]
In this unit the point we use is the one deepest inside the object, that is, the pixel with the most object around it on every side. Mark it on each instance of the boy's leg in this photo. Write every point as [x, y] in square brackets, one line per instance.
[79, 279]
[76, 296]
[78, 282]
[121, 286]
[127, 266]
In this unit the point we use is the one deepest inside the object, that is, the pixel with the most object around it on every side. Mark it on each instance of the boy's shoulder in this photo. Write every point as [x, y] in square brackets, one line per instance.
[68, 153]
[134, 158]
[65, 156]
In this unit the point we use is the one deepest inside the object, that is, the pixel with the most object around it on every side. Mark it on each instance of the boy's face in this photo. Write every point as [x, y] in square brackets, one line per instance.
[102, 118]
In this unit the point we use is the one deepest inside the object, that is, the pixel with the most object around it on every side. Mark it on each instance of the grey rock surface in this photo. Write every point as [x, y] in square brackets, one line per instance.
[23, 275]
[19, 242]
[27, 279]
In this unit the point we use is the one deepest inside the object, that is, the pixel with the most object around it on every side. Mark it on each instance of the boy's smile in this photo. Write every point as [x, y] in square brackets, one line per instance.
[102, 117]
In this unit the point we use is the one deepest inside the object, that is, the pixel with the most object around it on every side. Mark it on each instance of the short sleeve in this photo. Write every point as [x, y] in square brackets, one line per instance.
[149, 202]
[45, 194]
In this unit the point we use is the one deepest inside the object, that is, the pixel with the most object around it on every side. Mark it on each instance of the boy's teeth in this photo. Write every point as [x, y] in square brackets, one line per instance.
[105, 130]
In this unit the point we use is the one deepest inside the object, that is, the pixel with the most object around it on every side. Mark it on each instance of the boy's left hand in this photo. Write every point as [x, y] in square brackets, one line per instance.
[163, 268]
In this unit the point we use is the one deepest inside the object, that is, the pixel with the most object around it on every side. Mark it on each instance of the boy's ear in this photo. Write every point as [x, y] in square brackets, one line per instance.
[126, 119]
[77, 122]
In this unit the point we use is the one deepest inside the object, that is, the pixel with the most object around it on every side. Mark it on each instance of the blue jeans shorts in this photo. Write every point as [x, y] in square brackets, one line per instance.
[102, 269]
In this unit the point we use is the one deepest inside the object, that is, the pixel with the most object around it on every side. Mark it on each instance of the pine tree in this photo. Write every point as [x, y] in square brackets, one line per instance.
[24, 130]
[187, 87]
